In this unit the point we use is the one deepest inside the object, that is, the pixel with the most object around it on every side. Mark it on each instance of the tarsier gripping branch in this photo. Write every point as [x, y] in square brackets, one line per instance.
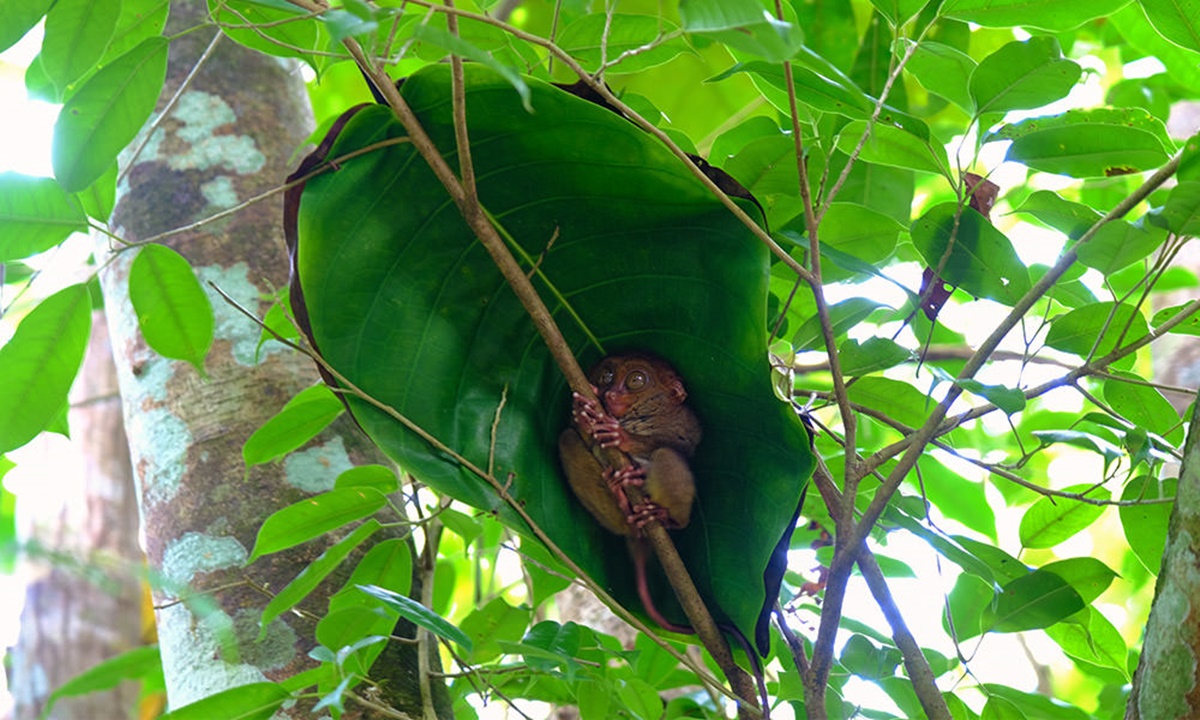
[643, 413]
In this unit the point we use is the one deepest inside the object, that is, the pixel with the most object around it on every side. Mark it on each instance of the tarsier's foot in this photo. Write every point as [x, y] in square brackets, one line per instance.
[648, 512]
[618, 480]
[594, 421]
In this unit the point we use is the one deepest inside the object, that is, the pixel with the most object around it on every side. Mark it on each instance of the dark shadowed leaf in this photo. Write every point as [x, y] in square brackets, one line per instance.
[419, 614]
[640, 256]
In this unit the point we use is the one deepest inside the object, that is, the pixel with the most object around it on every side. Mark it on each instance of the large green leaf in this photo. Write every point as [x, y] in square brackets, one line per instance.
[632, 252]
[77, 32]
[1176, 20]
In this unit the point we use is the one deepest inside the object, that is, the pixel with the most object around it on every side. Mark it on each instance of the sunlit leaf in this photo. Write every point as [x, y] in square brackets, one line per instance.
[1052, 520]
[1145, 526]
[314, 516]
[35, 215]
[1176, 20]
[639, 35]
[1053, 15]
[1036, 600]
[296, 423]
[104, 115]
[257, 701]
[77, 33]
[173, 311]
[39, 364]
[1023, 75]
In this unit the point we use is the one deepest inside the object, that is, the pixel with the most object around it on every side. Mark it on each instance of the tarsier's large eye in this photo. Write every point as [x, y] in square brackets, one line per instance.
[636, 380]
[606, 378]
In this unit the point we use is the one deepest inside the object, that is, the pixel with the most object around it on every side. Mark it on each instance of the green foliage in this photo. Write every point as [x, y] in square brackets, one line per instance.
[1007, 89]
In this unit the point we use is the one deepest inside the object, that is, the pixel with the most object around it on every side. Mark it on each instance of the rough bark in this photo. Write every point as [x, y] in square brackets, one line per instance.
[1166, 682]
[85, 559]
[229, 137]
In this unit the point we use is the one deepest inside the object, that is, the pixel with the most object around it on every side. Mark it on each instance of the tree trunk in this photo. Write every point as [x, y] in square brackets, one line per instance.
[229, 137]
[84, 604]
[1167, 681]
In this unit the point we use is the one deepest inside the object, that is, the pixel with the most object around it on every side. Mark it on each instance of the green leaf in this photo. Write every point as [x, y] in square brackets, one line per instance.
[899, 12]
[1023, 75]
[873, 355]
[1010, 400]
[969, 595]
[107, 674]
[99, 198]
[624, 274]
[378, 477]
[1088, 150]
[1093, 640]
[1098, 326]
[1182, 210]
[743, 25]
[944, 71]
[1143, 406]
[495, 622]
[1070, 218]
[982, 260]
[296, 423]
[312, 575]
[889, 145]
[18, 17]
[1087, 575]
[1176, 20]
[387, 564]
[1119, 244]
[842, 316]
[1036, 600]
[1082, 440]
[420, 615]
[35, 215]
[998, 708]
[1052, 520]
[1191, 326]
[1133, 26]
[314, 516]
[435, 35]
[1109, 118]
[860, 231]
[174, 313]
[898, 400]
[1052, 15]
[105, 114]
[77, 33]
[619, 33]
[273, 28]
[39, 364]
[1145, 526]
[256, 701]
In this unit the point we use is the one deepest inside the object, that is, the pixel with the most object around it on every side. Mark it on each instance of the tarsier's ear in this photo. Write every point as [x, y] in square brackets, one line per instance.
[675, 387]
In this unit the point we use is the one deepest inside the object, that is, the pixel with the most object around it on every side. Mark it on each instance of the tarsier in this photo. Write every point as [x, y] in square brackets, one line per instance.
[643, 414]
